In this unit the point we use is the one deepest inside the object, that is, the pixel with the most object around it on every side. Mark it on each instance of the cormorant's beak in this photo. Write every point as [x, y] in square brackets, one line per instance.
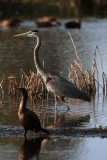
[21, 35]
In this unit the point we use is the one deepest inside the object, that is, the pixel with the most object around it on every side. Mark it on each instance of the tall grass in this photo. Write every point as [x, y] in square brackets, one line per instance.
[32, 82]
[86, 80]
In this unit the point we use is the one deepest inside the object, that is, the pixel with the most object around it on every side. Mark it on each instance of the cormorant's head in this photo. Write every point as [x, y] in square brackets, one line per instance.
[23, 92]
[34, 33]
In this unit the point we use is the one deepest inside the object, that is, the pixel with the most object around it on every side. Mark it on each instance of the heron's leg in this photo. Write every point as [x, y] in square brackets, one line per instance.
[56, 112]
[56, 116]
[56, 101]
[62, 99]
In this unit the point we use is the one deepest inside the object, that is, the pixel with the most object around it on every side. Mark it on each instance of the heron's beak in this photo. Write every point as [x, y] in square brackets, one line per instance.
[21, 35]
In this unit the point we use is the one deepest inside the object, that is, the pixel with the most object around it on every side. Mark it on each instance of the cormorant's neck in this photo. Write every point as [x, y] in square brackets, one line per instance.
[22, 105]
[39, 67]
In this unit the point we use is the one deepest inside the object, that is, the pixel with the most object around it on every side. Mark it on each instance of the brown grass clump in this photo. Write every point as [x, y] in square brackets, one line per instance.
[1, 85]
[86, 80]
[32, 83]
[12, 85]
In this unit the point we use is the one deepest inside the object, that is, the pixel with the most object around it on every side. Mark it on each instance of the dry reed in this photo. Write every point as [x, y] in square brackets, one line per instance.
[32, 83]
[86, 80]
[1, 85]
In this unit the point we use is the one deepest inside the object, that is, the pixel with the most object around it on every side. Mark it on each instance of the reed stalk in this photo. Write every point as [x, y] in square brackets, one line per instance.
[86, 81]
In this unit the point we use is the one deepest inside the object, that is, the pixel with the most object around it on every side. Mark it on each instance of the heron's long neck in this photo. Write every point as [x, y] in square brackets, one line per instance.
[22, 105]
[39, 67]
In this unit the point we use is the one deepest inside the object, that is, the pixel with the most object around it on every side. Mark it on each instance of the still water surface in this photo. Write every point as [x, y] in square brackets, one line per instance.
[57, 52]
[53, 148]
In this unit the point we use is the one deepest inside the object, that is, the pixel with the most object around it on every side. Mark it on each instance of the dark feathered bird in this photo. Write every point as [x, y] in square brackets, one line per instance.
[47, 21]
[28, 119]
[73, 24]
[10, 22]
[58, 85]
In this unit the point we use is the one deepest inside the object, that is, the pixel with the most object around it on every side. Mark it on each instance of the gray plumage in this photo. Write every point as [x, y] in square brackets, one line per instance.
[64, 88]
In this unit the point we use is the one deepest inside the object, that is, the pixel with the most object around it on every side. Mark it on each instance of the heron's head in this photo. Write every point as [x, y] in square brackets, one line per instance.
[34, 33]
[23, 92]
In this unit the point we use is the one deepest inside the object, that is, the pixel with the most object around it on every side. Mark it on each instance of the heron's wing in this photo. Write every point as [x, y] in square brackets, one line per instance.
[62, 87]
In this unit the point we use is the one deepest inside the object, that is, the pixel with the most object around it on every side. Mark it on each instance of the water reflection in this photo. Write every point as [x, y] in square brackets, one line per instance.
[30, 149]
[63, 120]
[54, 149]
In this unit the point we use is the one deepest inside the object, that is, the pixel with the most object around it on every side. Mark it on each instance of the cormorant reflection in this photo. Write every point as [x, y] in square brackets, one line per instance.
[30, 149]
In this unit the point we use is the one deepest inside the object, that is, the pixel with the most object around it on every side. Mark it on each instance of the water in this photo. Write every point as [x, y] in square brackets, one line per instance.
[53, 148]
[57, 51]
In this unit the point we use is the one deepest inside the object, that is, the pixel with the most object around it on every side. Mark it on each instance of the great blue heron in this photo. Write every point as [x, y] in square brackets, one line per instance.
[28, 119]
[56, 84]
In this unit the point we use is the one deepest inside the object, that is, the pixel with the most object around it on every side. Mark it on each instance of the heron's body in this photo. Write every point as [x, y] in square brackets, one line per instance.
[28, 119]
[69, 89]
[58, 85]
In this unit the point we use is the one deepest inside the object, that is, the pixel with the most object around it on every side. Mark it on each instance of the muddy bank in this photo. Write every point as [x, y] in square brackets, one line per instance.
[7, 131]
